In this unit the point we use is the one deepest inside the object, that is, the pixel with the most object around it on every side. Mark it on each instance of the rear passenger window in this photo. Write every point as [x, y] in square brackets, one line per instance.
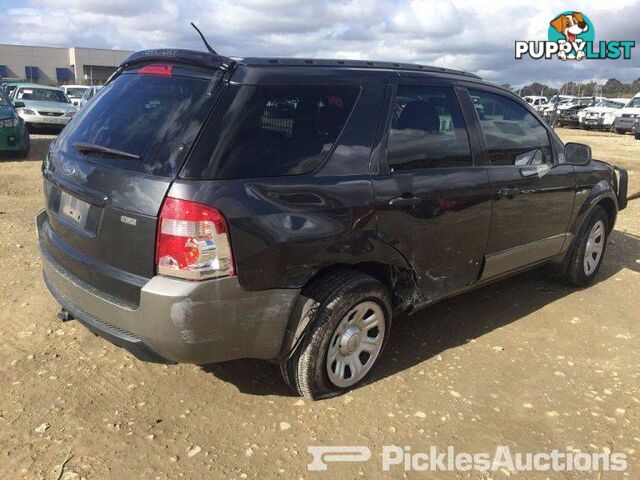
[427, 130]
[513, 135]
[262, 131]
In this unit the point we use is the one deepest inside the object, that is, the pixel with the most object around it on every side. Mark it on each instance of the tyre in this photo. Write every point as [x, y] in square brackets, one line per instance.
[350, 320]
[588, 250]
[637, 136]
[619, 131]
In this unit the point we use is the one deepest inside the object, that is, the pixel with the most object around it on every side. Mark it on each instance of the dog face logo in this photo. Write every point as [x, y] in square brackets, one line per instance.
[572, 28]
[570, 25]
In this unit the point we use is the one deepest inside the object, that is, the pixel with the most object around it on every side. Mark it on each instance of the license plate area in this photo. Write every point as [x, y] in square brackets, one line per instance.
[73, 209]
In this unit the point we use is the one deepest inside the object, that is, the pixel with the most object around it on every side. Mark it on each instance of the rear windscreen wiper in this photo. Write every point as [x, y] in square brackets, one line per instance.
[94, 148]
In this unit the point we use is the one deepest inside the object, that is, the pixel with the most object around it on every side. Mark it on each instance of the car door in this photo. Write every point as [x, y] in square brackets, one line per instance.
[432, 192]
[533, 193]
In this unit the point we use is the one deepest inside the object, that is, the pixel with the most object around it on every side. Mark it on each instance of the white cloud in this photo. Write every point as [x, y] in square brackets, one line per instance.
[464, 34]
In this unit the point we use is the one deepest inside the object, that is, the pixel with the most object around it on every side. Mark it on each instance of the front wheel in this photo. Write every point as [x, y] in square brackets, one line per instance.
[350, 320]
[588, 250]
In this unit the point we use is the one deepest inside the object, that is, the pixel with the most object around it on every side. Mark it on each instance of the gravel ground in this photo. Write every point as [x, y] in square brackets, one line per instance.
[524, 363]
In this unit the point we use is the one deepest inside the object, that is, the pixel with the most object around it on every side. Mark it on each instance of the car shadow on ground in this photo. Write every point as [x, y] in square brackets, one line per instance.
[448, 324]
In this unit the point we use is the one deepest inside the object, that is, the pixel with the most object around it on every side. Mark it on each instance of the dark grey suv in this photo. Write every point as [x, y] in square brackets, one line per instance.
[201, 209]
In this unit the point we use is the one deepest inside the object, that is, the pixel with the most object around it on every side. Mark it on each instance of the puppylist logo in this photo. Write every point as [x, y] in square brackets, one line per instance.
[572, 37]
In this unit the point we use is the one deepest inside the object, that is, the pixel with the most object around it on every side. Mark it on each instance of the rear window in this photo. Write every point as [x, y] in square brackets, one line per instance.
[264, 131]
[155, 118]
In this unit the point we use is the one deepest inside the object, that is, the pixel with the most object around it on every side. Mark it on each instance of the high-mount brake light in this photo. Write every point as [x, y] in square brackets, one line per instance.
[156, 69]
[193, 241]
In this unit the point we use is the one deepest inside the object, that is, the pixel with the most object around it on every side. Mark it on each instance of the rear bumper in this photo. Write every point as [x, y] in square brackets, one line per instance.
[178, 320]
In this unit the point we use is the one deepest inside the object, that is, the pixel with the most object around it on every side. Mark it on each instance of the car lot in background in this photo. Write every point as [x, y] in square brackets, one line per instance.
[74, 92]
[41, 106]
[14, 136]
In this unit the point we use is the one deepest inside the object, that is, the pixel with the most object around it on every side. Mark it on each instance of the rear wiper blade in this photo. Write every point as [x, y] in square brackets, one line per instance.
[95, 148]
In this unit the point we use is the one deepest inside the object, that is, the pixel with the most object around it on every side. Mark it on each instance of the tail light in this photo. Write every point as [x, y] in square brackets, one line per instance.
[193, 241]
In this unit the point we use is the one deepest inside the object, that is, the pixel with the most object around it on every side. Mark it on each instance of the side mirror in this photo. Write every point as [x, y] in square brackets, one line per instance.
[18, 104]
[577, 154]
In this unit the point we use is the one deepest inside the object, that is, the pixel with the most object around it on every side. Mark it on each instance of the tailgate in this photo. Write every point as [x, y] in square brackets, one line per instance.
[107, 174]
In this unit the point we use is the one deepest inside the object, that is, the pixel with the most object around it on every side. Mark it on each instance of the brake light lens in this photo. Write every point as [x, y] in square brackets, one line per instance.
[193, 241]
[156, 69]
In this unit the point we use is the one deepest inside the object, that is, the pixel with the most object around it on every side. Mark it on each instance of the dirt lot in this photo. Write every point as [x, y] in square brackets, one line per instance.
[524, 363]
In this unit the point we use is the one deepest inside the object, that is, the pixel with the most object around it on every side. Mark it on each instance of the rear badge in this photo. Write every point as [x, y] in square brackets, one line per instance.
[128, 220]
[69, 167]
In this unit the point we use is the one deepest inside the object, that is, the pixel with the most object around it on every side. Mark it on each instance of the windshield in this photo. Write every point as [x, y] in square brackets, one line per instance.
[155, 118]
[42, 95]
[634, 103]
[75, 92]
[610, 104]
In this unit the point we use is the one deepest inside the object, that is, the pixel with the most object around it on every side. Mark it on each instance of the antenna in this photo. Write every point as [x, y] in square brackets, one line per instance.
[206, 44]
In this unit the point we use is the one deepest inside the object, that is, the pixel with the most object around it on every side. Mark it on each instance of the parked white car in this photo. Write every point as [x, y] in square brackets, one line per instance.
[534, 100]
[602, 114]
[626, 116]
[89, 94]
[74, 92]
[42, 106]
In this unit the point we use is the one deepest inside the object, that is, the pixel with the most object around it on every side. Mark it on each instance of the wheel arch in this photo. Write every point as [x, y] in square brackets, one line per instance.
[398, 278]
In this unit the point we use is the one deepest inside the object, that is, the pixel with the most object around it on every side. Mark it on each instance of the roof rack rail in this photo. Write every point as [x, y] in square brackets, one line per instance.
[298, 62]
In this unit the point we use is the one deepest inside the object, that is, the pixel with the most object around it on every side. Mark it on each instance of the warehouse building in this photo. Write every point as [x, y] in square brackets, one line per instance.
[59, 66]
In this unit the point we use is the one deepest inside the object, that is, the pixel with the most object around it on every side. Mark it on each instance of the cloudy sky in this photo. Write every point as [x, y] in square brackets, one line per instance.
[464, 34]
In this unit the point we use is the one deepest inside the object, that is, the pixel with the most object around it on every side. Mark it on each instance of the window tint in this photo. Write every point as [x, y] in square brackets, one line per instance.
[263, 131]
[513, 135]
[427, 130]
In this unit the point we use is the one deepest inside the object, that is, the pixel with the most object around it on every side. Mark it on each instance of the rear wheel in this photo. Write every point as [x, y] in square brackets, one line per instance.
[637, 135]
[349, 326]
[619, 131]
[588, 250]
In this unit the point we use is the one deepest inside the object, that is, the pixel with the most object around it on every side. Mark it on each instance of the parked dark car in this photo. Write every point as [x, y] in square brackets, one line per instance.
[14, 136]
[636, 128]
[204, 209]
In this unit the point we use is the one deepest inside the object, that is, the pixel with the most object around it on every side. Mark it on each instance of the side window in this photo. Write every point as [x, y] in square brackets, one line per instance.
[513, 135]
[427, 130]
[281, 130]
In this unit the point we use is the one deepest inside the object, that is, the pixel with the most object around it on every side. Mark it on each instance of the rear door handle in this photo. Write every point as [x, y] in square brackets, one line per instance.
[508, 192]
[402, 202]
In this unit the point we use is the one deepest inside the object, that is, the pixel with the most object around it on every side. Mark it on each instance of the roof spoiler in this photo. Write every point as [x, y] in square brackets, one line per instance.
[175, 55]
[189, 57]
